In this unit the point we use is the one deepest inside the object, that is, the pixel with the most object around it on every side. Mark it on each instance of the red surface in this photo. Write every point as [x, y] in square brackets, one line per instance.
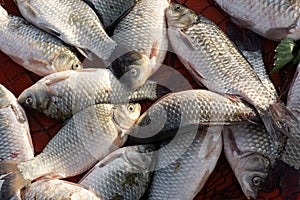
[284, 184]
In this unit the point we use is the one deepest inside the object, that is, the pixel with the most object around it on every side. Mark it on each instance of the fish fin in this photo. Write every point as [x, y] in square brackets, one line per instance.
[242, 22]
[49, 29]
[19, 113]
[278, 32]
[162, 91]
[56, 79]
[186, 40]
[86, 53]
[39, 62]
[31, 10]
[13, 181]
[232, 98]
[154, 50]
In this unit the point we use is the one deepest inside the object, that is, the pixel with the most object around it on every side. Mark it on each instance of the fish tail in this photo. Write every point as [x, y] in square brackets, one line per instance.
[162, 90]
[13, 180]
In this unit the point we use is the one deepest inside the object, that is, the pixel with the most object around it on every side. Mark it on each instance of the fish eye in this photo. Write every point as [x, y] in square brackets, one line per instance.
[133, 72]
[29, 100]
[149, 150]
[178, 7]
[256, 181]
[76, 66]
[130, 108]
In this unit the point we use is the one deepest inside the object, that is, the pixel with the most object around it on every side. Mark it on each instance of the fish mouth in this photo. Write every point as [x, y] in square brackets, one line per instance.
[119, 125]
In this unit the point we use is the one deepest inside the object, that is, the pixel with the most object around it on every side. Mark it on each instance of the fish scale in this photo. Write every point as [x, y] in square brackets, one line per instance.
[74, 22]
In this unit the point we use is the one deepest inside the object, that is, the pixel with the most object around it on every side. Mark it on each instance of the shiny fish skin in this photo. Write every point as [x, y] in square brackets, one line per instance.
[124, 174]
[33, 48]
[144, 30]
[87, 137]
[189, 108]
[74, 22]
[57, 189]
[251, 153]
[110, 11]
[272, 19]
[15, 139]
[215, 61]
[62, 94]
[187, 173]
[291, 153]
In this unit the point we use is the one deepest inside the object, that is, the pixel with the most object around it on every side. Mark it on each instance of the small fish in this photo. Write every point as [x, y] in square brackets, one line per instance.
[185, 109]
[252, 154]
[33, 48]
[57, 189]
[291, 153]
[144, 30]
[74, 22]
[215, 62]
[61, 95]
[123, 174]
[87, 137]
[110, 12]
[274, 20]
[184, 165]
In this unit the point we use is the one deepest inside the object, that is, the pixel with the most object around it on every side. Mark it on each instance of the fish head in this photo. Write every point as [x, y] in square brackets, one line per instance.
[125, 115]
[3, 15]
[132, 69]
[179, 16]
[35, 97]
[66, 60]
[251, 172]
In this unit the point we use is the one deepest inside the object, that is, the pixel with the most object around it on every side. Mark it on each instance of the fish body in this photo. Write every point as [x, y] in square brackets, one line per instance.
[274, 20]
[215, 62]
[110, 12]
[123, 174]
[74, 22]
[189, 108]
[84, 139]
[252, 154]
[61, 95]
[184, 165]
[144, 30]
[33, 48]
[57, 189]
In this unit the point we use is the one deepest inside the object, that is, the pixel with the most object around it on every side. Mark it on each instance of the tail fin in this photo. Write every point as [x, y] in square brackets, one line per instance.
[13, 180]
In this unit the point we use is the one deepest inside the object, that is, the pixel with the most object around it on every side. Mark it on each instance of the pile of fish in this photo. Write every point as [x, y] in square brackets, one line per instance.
[176, 143]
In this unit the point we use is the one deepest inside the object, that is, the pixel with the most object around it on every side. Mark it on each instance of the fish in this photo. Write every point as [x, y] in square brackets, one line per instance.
[74, 22]
[123, 174]
[184, 165]
[215, 62]
[274, 20]
[87, 137]
[291, 153]
[185, 109]
[63, 94]
[57, 189]
[143, 30]
[252, 154]
[33, 48]
[110, 12]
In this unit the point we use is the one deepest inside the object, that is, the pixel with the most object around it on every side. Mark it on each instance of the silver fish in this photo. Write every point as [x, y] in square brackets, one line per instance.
[74, 22]
[144, 30]
[252, 154]
[215, 61]
[61, 95]
[188, 108]
[87, 137]
[57, 189]
[124, 174]
[291, 153]
[33, 48]
[184, 166]
[271, 19]
[110, 12]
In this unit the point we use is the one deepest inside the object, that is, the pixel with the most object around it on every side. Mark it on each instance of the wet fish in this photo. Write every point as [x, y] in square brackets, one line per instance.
[184, 165]
[291, 153]
[87, 137]
[57, 189]
[252, 154]
[124, 174]
[271, 19]
[74, 22]
[15, 139]
[188, 108]
[110, 12]
[214, 61]
[62, 94]
[33, 48]
[143, 30]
